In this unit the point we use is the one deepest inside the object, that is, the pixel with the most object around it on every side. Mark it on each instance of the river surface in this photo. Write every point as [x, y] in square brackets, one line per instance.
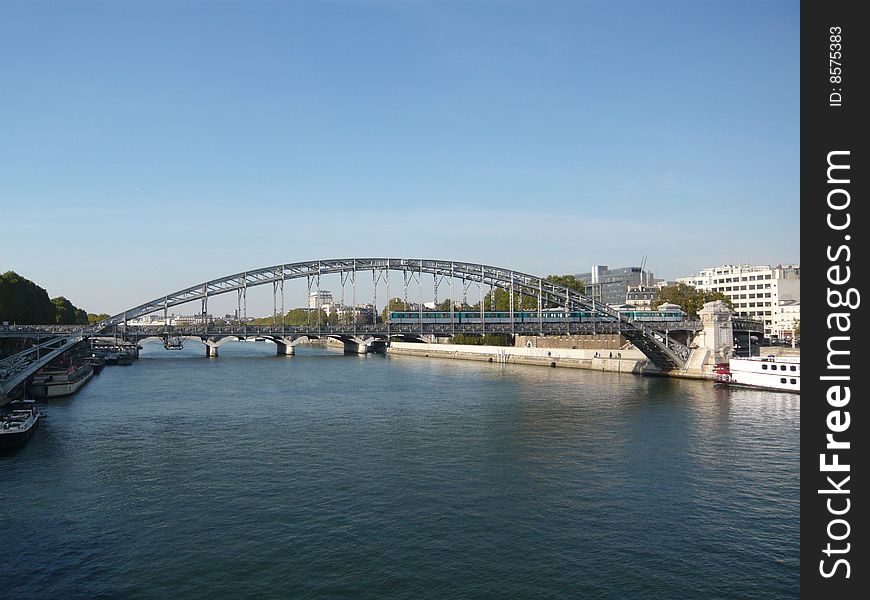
[325, 475]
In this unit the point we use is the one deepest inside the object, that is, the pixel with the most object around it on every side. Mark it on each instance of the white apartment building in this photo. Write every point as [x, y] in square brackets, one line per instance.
[786, 317]
[187, 320]
[317, 299]
[361, 313]
[755, 291]
[148, 321]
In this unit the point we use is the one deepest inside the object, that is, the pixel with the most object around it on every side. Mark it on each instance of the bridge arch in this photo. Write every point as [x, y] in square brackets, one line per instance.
[665, 353]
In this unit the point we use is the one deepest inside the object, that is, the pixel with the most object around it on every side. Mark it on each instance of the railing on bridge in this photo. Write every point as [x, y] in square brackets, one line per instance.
[665, 354]
[387, 327]
[18, 367]
[744, 324]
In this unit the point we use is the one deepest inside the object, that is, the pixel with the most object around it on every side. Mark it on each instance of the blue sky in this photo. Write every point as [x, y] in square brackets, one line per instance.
[147, 146]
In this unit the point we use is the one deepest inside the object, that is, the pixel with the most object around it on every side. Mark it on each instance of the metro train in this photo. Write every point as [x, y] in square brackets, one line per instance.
[531, 316]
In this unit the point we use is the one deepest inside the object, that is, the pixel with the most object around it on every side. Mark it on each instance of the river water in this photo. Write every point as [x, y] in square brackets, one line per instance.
[325, 475]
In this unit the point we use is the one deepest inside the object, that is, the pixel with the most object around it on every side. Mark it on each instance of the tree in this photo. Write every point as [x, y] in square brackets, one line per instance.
[295, 317]
[499, 299]
[444, 306]
[568, 281]
[24, 302]
[96, 318]
[394, 304]
[688, 298]
[64, 311]
[482, 340]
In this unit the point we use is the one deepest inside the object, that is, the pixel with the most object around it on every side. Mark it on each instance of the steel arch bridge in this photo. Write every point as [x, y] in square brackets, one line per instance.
[664, 352]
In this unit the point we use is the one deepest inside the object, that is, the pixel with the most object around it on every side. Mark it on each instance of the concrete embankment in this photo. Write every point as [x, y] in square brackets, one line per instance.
[628, 360]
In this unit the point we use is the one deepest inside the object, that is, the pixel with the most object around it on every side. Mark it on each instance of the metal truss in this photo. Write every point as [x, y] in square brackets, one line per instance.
[665, 353]
[18, 367]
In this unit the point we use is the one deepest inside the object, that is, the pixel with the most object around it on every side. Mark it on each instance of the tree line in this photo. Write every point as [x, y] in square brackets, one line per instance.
[22, 302]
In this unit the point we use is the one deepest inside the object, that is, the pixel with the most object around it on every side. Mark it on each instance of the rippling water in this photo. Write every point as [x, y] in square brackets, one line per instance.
[331, 476]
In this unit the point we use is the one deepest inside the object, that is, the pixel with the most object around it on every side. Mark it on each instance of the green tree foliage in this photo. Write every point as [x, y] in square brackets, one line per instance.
[443, 306]
[92, 318]
[394, 304]
[294, 317]
[65, 312]
[300, 316]
[568, 281]
[499, 299]
[482, 340]
[23, 302]
[688, 298]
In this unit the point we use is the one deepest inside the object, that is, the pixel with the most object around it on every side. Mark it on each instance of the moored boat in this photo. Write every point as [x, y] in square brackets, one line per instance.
[781, 373]
[48, 383]
[17, 425]
[97, 362]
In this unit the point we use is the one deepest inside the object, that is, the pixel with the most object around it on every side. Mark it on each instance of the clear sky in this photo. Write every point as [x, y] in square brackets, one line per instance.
[148, 146]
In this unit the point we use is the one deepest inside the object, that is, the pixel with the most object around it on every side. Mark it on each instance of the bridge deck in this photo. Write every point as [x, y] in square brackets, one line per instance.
[18, 367]
[389, 329]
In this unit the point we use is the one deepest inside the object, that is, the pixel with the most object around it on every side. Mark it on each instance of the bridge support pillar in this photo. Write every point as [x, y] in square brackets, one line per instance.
[715, 343]
[285, 349]
[287, 345]
[211, 349]
[358, 345]
[354, 347]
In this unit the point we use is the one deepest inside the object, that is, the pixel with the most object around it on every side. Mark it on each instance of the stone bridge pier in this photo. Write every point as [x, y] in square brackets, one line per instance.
[363, 345]
[287, 345]
[211, 347]
[715, 343]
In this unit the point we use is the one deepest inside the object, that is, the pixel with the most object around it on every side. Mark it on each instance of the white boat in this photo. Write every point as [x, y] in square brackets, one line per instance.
[782, 373]
[49, 383]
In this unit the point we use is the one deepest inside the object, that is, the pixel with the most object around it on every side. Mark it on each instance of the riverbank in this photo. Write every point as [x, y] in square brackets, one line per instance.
[627, 360]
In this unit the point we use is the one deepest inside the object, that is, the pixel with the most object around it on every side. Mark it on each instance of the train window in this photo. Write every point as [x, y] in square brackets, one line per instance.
[782, 380]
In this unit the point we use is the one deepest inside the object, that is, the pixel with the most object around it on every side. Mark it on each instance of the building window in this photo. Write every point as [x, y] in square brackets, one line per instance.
[793, 381]
[764, 367]
[782, 380]
[793, 368]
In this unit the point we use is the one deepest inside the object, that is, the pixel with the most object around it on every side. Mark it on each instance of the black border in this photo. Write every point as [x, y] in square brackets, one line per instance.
[826, 128]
